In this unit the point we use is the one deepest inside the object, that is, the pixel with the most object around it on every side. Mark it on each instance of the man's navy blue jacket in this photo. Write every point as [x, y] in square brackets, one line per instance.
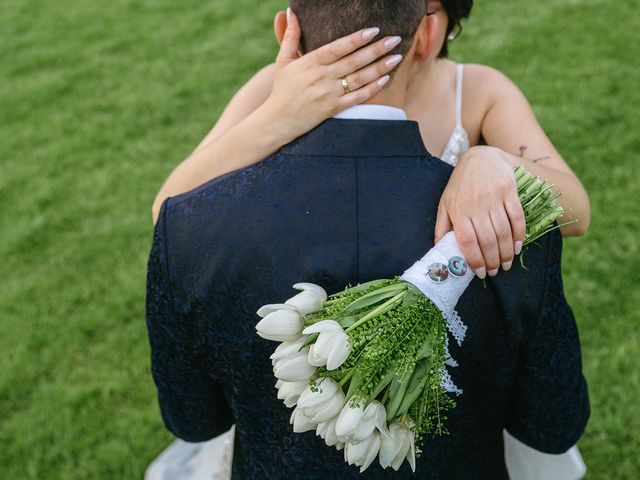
[351, 201]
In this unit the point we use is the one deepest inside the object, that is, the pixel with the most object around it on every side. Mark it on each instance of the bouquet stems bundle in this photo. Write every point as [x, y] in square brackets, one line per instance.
[365, 368]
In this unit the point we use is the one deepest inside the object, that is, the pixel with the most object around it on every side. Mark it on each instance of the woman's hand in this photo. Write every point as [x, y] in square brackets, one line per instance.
[308, 90]
[481, 205]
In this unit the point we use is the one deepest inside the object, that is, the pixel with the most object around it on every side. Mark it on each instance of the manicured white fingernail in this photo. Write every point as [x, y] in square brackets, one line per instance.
[369, 33]
[393, 61]
[493, 273]
[288, 15]
[481, 273]
[518, 247]
[383, 80]
[506, 266]
[392, 42]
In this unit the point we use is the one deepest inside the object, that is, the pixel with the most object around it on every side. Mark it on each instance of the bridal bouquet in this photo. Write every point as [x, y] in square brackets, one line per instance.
[366, 368]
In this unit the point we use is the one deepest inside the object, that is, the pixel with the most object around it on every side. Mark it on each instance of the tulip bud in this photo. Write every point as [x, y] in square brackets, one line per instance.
[399, 445]
[348, 421]
[323, 401]
[311, 299]
[355, 424]
[317, 289]
[289, 392]
[363, 454]
[274, 307]
[295, 368]
[332, 346]
[305, 302]
[327, 431]
[288, 349]
[281, 326]
[301, 423]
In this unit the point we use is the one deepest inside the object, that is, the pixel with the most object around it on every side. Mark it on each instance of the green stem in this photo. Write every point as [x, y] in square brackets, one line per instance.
[536, 196]
[385, 307]
[386, 394]
[532, 239]
[346, 378]
[539, 204]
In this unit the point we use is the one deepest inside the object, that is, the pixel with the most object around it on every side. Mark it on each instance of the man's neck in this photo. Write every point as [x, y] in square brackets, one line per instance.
[394, 94]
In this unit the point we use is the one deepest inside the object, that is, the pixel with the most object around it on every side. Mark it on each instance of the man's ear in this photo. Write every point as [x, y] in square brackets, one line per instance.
[280, 25]
[426, 37]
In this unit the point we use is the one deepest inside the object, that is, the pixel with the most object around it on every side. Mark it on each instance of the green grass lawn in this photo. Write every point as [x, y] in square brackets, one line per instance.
[99, 100]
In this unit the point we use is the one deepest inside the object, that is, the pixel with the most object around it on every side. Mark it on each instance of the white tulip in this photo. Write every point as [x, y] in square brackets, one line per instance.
[348, 421]
[310, 299]
[274, 307]
[323, 401]
[295, 368]
[281, 325]
[301, 423]
[332, 346]
[363, 454]
[356, 424]
[289, 392]
[327, 431]
[399, 445]
[288, 349]
[317, 289]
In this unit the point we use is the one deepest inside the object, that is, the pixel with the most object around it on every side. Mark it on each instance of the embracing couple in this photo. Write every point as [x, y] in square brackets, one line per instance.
[318, 171]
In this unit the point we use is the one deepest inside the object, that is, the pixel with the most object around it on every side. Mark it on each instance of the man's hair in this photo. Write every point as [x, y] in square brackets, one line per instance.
[323, 21]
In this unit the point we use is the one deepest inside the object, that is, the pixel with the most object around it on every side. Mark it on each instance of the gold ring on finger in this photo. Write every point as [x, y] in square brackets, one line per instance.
[345, 85]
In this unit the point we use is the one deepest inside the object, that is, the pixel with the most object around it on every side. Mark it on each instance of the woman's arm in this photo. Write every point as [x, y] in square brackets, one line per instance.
[265, 115]
[480, 202]
[246, 101]
[511, 125]
[239, 138]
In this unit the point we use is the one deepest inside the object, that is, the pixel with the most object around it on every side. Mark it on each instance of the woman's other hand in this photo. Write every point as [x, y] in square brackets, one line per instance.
[308, 89]
[481, 205]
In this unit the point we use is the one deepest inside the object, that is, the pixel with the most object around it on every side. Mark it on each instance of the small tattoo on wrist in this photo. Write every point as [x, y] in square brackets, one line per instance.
[536, 160]
[523, 148]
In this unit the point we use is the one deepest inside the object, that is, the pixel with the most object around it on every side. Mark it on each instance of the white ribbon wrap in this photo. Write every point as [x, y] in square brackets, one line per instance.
[444, 295]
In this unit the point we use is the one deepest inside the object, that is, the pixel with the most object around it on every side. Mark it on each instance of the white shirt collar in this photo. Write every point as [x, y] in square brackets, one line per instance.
[372, 112]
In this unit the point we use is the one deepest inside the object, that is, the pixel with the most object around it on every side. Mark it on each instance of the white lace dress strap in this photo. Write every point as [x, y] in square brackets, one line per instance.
[459, 140]
[459, 80]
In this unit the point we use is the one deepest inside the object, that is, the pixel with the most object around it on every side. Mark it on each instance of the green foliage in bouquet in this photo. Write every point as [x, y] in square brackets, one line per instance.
[397, 339]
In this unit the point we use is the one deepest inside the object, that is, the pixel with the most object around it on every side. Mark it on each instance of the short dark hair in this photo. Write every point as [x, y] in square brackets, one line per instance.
[457, 10]
[323, 21]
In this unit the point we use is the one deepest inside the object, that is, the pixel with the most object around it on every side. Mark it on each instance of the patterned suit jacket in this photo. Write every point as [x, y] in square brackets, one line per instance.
[351, 201]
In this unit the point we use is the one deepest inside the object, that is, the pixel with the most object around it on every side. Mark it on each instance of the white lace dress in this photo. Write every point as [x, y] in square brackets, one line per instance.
[212, 460]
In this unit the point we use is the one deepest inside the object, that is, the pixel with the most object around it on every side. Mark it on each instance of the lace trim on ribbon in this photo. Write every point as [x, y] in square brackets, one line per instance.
[458, 330]
[456, 327]
[447, 383]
